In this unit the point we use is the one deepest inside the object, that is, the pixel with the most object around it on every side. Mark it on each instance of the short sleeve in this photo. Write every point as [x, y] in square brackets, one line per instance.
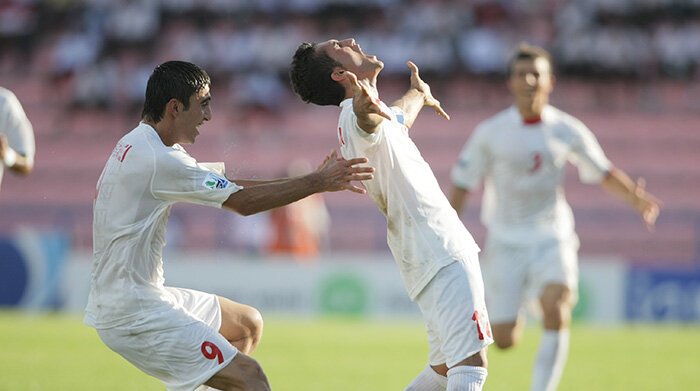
[16, 126]
[588, 156]
[472, 162]
[398, 113]
[349, 131]
[178, 177]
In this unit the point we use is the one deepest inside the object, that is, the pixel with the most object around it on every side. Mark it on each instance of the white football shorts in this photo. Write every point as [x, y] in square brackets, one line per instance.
[182, 347]
[455, 313]
[515, 275]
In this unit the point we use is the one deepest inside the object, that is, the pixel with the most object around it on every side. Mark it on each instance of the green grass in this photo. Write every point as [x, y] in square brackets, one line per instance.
[56, 352]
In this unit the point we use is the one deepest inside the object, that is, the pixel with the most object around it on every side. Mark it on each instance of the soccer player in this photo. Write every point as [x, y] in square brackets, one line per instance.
[520, 154]
[436, 255]
[16, 136]
[183, 337]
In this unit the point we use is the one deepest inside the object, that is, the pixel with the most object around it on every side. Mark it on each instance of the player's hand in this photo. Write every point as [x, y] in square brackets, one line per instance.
[339, 173]
[418, 84]
[646, 204]
[365, 98]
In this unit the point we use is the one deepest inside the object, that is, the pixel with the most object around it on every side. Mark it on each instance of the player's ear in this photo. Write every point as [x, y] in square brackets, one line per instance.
[173, 107]
[338, 74]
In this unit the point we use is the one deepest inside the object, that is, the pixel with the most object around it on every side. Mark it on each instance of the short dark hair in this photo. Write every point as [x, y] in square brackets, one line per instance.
[310, 76]
[526, 51]
[172, 79]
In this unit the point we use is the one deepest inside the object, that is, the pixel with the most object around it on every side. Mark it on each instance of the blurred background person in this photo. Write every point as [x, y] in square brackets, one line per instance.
[300, 229]
[521, 155]
[16, 136]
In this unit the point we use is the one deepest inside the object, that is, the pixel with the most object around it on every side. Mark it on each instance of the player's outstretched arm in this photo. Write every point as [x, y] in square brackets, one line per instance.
[334, 174]
[635, 194]
[417, 96]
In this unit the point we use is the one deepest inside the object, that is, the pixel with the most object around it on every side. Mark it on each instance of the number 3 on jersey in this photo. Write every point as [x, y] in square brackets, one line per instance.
[536, 162]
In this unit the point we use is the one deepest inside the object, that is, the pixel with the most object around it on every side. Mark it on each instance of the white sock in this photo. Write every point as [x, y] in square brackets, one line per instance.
[551, 359]
[428, 380]
[466, 378]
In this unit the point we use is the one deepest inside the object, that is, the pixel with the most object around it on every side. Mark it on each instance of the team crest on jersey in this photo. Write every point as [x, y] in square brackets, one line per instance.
[213, 181]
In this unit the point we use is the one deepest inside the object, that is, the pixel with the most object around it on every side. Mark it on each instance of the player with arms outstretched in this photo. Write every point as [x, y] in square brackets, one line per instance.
[436, 255]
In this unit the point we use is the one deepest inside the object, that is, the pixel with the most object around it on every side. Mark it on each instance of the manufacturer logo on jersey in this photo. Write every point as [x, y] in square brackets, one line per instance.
[120, 151]
[213, 181]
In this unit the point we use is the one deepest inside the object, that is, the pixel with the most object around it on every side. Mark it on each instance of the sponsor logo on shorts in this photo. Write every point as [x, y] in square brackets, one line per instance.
[213, 181]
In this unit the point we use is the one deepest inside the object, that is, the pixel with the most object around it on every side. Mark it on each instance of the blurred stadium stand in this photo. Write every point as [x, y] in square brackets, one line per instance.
[628, 69]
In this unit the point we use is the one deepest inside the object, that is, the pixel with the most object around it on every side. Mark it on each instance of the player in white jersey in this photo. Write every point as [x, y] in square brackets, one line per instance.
[185, 338]
[436, 255]
[16, 136]
[531, 250]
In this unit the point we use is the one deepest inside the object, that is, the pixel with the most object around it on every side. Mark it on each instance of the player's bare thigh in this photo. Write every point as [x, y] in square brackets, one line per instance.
[242, 373]
[241, 324]
[508, 334]
[557, 302]
[476, 360]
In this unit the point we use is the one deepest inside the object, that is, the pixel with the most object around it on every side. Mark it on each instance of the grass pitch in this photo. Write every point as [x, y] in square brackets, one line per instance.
[57, 352]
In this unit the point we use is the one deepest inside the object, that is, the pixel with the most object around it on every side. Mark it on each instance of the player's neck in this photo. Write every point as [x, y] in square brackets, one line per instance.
[532, 112]
[164, 135]
[370, 83]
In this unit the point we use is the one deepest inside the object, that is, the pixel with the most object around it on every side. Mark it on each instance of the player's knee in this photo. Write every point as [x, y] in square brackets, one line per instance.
[504, 343]
[556, 314]
[505, 339]
[254, 323]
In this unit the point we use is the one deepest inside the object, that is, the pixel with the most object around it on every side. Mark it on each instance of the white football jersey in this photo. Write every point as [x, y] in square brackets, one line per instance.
[15, 125]
[424, 232]
[522, 166]
[140, 182]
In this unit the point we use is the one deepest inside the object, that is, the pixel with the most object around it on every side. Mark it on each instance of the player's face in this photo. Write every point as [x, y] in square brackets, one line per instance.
[188, 121]
[531, 81]
[349, 53]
